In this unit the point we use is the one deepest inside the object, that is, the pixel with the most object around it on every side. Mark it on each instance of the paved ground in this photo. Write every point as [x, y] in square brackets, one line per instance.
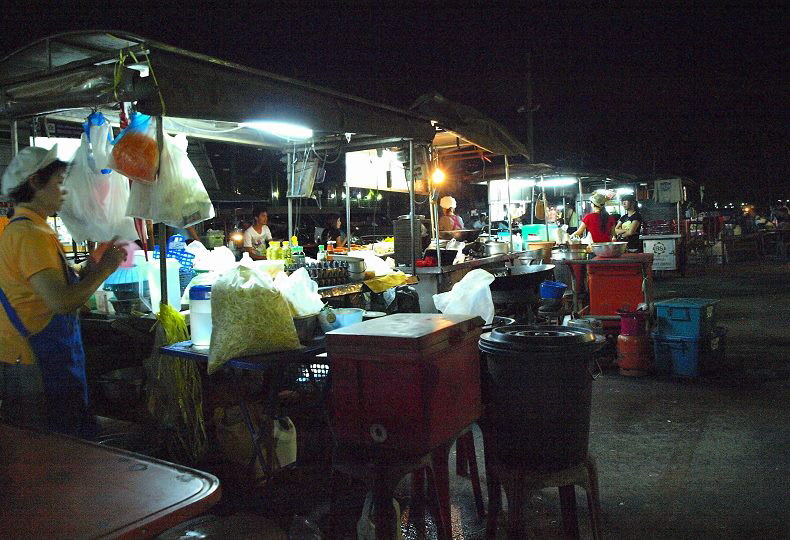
[707, 458]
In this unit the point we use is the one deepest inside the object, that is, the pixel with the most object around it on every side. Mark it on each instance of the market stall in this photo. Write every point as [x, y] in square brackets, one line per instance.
[68, 78]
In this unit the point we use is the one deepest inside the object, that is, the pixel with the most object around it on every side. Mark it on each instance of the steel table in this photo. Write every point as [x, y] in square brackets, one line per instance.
[275, 365]
[54, 486]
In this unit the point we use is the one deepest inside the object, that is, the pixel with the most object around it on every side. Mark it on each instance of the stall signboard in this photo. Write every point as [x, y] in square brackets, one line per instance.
[381, 170]
[663, 251]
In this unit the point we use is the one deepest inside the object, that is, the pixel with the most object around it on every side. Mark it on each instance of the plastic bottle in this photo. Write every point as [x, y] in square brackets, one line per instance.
[294, 241]
[321, 257]
[271, 251]
[286, 251]
[200, 314]
[330, 250]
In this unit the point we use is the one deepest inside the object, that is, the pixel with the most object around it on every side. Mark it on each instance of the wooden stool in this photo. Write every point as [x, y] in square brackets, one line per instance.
[517, 482]
[465, 465]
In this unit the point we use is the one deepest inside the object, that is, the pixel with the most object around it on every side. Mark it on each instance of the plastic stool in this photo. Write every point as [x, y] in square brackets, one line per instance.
[518, 481]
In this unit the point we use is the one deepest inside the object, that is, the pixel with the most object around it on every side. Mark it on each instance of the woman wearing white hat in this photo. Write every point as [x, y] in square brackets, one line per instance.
[449, 221]
[598, 222]
[42, 362]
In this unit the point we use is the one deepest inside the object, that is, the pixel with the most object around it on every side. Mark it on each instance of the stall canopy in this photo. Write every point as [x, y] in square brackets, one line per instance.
[205, 96]
[463, 122]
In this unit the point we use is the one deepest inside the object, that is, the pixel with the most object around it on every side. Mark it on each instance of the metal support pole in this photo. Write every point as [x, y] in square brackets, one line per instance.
[532, 205]
[160, 139]
[163, 264]
[412, 217]
[290, 182]
[14, 138]
[436, 230]
[509, 218]
[290, 218]
[348, 215]
[545, 210]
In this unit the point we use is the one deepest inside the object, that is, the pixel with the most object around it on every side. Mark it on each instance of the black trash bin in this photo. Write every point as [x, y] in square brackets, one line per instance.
[539, 402]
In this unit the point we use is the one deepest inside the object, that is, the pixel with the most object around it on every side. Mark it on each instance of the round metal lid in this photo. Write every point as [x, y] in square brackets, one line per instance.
[539, 339]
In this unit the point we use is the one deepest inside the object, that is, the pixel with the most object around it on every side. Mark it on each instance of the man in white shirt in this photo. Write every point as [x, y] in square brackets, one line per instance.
[257, 237]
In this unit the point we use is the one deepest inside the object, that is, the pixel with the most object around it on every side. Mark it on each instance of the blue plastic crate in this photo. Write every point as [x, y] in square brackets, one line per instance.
[688, 357]
[686, 317]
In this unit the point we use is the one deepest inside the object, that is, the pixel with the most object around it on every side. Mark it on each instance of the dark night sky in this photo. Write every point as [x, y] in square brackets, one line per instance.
[700, 93]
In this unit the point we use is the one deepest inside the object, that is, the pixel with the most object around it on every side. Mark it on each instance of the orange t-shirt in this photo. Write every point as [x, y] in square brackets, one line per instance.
[26, 248]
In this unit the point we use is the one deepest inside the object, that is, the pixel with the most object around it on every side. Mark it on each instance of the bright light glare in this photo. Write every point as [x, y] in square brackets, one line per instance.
[359, 195]
[379, 197]
[624, 191]
[560, 207]
[281, 129]
[275, 194]
[559, 181]
[437, 176]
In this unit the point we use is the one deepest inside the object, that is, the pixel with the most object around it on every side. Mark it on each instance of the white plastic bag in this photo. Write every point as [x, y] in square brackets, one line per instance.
[366, 529]
[470, 296]
[300, 292]
[95, 206]
[178, 197]
[248, 316]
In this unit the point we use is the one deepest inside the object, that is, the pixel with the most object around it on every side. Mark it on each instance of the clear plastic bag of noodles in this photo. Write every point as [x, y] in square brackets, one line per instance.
[135, 153]
[248, 316]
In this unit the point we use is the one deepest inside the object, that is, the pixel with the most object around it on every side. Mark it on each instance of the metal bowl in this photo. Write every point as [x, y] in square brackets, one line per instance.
[462, 235]
[609, 249]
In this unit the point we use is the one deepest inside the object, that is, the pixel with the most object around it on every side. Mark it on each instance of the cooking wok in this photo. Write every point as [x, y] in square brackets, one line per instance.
[522, 285]
[462, 235]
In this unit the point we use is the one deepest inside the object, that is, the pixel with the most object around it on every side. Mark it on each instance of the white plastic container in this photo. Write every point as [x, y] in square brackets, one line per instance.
[200, 315]
[152, 274]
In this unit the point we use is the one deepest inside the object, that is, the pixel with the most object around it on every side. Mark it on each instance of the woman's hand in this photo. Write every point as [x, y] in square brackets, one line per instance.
[110, 255]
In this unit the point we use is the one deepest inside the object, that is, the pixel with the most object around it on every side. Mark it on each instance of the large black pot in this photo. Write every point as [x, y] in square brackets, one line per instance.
[540, 393]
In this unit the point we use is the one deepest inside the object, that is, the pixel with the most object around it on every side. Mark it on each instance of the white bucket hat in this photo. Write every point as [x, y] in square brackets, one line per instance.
[447, 202]
[28, 161]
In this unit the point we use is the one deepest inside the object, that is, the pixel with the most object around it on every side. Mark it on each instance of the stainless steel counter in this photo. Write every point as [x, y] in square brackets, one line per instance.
[434, 280]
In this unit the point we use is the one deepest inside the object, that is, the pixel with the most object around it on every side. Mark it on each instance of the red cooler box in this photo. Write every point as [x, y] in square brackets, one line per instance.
[619, 286]
[406, 382]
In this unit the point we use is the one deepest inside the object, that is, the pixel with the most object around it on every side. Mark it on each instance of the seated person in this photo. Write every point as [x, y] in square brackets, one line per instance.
[332, 231]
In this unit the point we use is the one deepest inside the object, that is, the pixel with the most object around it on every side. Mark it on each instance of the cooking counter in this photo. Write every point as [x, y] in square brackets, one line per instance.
[498, 260]
[434, 280]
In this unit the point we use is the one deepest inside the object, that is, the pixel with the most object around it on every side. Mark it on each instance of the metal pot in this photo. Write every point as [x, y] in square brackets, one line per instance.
[493, 247]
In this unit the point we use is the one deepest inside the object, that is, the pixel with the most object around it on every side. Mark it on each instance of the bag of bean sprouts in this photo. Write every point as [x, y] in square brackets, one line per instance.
[248, 316]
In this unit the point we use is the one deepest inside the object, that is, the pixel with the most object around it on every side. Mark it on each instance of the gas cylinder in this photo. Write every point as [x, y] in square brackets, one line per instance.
[633, 355]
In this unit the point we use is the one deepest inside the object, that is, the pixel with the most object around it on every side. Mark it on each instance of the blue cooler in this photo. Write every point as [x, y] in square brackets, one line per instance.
[688, 357]
[693, 318]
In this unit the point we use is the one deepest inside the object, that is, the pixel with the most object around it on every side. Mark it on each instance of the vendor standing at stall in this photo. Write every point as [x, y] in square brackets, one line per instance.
[42, 362]
[257, 236]
[449, 221]
[332, 232]
[630, 224]
[598, 222]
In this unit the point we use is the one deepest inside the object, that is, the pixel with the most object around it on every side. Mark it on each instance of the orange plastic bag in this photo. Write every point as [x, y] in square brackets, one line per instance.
[136, 154]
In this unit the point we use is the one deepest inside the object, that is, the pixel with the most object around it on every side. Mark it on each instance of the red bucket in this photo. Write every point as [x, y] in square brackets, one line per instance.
[632, 323]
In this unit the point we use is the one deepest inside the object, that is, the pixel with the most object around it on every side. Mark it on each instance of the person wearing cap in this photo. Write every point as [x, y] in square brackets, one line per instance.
[42, 362]
[630, 224]
[598, 222]
[449, 221]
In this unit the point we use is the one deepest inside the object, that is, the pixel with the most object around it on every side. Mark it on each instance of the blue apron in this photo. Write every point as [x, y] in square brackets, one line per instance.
[61, 360]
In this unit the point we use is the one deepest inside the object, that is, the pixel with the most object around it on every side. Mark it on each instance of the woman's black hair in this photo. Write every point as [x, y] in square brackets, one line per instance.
[604, 219]
[25, 191]
[331, 220]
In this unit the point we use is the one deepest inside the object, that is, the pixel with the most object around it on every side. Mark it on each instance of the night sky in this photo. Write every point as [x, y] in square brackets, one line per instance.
[699, 93]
